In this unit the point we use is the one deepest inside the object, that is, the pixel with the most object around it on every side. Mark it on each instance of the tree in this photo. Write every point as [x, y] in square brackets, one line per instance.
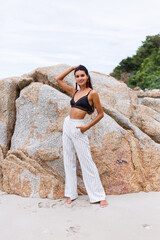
[144, 66]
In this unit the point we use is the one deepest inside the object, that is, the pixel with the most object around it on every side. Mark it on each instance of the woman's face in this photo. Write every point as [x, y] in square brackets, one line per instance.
[81, 77]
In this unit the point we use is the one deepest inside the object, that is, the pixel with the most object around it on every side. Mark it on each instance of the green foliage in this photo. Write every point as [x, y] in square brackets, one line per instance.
[144, 66]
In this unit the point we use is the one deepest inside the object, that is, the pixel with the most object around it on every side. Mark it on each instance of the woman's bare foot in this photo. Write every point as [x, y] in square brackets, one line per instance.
[68, 200]
[103, 203]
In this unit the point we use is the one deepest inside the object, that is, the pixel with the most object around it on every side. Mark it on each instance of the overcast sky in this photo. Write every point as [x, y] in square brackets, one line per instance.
[94, 33]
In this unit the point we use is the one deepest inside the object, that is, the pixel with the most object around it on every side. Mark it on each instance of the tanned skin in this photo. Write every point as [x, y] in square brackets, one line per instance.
[93, 98]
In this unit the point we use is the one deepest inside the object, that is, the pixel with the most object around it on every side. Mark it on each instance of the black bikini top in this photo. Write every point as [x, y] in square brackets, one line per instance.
[82, 103]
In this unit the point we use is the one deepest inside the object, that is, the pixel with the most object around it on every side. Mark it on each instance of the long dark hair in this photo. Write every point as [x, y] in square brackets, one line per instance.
[83, 68]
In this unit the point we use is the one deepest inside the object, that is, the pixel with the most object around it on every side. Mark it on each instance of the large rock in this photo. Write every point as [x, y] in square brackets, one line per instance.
[154, 93]
[8, 93]
[47, 75]
[110, 90]
[28, 177]
[9, 89]
[153, 103]
[116, 151]
[1, 175]
[148, 120]
[124, 144]
[146, 151]
[40, 111]
[115, 93]
[38, 131]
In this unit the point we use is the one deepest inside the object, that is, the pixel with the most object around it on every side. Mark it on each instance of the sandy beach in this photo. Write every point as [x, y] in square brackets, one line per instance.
[128, 217]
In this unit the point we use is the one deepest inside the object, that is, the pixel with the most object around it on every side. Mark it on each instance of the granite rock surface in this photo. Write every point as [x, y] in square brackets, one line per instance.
[124, 143]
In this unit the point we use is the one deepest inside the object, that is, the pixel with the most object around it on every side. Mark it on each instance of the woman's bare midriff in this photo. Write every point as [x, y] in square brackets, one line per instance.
[77, 113]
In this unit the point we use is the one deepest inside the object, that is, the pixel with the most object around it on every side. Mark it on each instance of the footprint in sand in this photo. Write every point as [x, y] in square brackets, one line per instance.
[79, 203]
[50, 204]
[147, 226]
[72, 230]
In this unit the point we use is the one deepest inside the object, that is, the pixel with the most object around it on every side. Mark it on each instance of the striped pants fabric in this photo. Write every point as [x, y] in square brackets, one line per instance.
[74, 141]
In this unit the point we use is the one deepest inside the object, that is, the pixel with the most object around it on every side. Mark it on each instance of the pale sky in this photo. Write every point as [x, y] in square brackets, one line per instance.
[94, 33]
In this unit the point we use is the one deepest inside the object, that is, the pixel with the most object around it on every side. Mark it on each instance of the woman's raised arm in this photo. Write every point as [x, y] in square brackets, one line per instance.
[60, 77]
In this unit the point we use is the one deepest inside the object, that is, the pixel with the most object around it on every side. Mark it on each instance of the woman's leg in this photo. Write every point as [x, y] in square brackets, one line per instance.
[69, 160]
[90, 173]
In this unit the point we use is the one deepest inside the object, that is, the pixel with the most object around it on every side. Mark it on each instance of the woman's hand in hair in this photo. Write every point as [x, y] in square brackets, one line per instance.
[74, 67]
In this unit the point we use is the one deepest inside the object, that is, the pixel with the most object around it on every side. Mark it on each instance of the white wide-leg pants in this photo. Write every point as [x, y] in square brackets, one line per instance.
[76, 141]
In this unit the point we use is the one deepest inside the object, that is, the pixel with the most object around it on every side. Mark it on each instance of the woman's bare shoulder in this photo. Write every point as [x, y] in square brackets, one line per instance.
[93, 92]
[95, 96]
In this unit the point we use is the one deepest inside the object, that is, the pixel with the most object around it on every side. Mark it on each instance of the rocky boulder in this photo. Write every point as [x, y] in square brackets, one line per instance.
[124, 144]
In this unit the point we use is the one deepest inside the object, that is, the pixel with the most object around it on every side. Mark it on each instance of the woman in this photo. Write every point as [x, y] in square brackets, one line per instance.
[75, 138]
